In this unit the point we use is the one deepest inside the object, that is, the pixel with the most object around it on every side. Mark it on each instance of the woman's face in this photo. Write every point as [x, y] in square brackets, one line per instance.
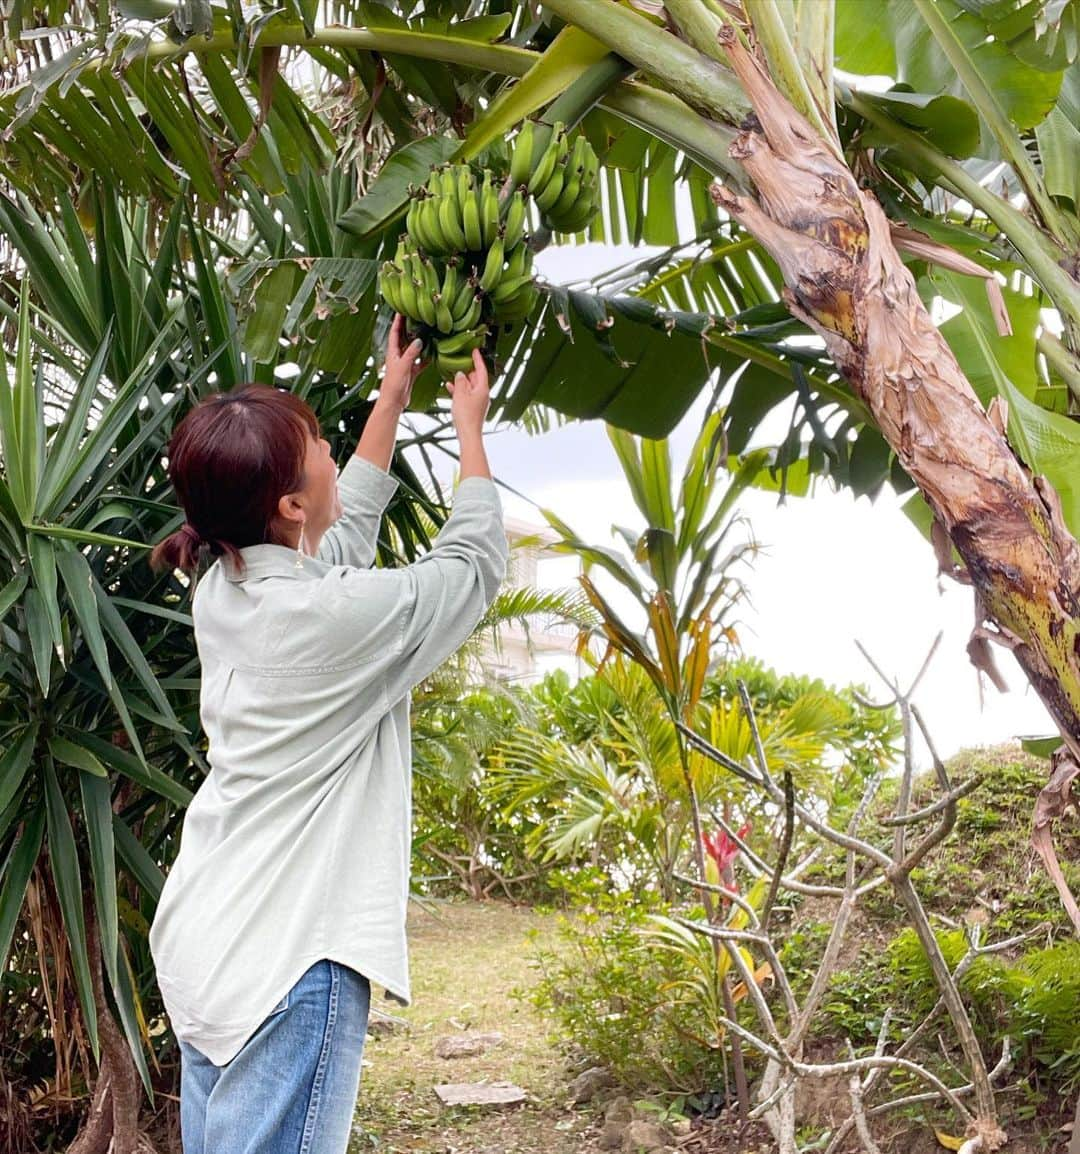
[319, 497]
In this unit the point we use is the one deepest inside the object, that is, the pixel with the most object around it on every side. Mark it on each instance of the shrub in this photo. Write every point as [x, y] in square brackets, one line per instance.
[620, 998]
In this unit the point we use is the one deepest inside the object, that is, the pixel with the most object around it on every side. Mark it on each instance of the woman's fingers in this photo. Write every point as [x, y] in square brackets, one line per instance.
[479, 374]
[397, 328]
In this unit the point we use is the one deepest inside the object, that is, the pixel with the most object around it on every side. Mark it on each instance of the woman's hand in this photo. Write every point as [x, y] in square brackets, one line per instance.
[471, 398]
[402, 367]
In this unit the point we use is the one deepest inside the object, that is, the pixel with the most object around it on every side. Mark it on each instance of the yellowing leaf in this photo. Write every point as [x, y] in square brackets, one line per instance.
[948, 1141]
[761, 975]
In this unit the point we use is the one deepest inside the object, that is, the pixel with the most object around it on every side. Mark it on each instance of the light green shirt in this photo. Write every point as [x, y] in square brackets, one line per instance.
[296, 846]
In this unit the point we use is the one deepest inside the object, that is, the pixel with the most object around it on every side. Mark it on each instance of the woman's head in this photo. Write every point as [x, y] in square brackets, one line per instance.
[249, 468]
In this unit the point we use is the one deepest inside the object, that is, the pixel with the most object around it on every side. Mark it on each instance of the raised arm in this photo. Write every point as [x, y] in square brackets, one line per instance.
[446, 592]
[365, 484]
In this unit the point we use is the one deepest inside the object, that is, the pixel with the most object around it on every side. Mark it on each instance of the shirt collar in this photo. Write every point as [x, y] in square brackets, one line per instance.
[266, 561]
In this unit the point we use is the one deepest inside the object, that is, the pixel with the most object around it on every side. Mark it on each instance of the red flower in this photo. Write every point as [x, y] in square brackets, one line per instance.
[722, 849]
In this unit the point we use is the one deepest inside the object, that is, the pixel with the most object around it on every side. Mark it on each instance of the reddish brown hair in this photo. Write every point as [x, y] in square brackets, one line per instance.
[231, 460]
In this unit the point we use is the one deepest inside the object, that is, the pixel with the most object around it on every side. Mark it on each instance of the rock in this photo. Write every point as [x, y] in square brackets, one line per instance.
[466, 1045]
[492, 1095]
[619, 1110]
[617, 1117]
[611, 1135]
[385, 1025]
[643, 1135]
[585, 1086]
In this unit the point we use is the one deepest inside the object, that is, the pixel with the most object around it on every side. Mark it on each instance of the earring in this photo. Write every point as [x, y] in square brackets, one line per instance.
[300, 548]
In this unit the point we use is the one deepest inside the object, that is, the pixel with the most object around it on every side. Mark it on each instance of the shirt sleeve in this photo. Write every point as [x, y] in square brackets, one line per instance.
[365, 491]
[446, 593]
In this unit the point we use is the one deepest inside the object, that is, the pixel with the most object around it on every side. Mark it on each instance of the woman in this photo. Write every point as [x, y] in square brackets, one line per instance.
[289, 890]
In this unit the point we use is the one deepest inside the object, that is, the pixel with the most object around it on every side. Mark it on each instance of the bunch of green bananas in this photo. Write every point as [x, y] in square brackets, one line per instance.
[560, 177]
[441, 300]
[463, 264]
[457, 212]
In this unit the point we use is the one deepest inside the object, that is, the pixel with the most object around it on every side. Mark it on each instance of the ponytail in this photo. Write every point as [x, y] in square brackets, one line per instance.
[184, 550]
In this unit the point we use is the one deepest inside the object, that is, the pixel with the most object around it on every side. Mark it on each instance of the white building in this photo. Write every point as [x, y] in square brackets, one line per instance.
[521, 656]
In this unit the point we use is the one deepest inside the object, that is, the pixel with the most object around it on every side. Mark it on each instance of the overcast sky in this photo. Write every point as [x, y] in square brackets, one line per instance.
[832, 570]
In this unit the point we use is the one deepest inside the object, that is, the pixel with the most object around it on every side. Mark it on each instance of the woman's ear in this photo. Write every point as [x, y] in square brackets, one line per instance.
[291, 509]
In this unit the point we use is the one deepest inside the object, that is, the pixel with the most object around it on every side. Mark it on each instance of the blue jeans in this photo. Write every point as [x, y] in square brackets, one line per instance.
[292, 1088]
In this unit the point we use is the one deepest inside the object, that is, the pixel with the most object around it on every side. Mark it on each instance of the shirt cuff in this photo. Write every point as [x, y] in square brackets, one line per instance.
[481, 489]
[361, 480]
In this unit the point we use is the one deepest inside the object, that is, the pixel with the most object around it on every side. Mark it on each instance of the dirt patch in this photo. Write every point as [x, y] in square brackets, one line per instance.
[471, 972]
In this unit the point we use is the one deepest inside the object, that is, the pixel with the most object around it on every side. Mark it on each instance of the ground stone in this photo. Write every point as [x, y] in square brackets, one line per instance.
[619, 1110]
[385, 1025]
[493, 1095]
[618, 1114]
[642, 1134]
[466, 1045]
[586, 1085]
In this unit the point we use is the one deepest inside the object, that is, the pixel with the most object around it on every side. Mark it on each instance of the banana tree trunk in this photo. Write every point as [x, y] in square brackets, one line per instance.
[845, 279]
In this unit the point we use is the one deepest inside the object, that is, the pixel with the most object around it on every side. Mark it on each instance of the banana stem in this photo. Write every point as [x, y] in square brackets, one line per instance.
[703, 83]
[593, 84]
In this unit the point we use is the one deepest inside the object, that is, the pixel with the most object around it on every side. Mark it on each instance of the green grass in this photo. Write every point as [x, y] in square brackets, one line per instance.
[468, 963]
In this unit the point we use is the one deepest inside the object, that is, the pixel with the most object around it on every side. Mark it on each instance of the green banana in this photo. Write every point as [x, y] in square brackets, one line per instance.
[515, 220]
[519, 262]
[464, 184]
[493, 266]
[519, 305]
[489, 210]
[464, 341]
[521, 159]
[541, 174]
[450, 282]
[437, 242]
[414, 223]
[464, 302]
[444, 322]
[580, 218]
[450, 220]
[551, 191]
[450, 366]
[426, 306]
[423, 275]
[409, 304]
[568, 197]
[432, 279]
[507, 289]
[470, 219]
[410, 219]
[573, 183]
[472, 316]
[406, 246]
[388, 286]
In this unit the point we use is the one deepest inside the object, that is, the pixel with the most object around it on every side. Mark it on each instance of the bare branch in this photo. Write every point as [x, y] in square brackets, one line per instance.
[724, 892]
[925, 666]
[785, 849]
[950, 798]
[855, 1093]
[939, 765]
[759, 747]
